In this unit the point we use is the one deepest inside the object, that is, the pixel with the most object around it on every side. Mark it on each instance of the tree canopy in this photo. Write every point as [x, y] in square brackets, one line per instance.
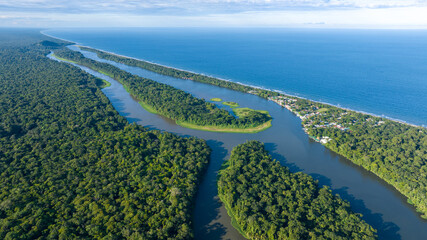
[72, 168]
[167, 100]
[394, 151]
[267, 201]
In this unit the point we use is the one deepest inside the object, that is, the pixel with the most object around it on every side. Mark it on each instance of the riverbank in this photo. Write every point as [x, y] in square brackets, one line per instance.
[262, 92]
[255, 122]
[256, 129]
[105, 84]
[381, 205]
[63, 59]
[265, 199]
[86, 160]
[344, 129]
[284, 90]
[251, 88]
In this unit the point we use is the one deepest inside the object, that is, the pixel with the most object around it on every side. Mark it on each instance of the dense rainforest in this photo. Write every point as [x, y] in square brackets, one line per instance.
[72, 168]
[267, 201]
[394, 151]
[167, 100]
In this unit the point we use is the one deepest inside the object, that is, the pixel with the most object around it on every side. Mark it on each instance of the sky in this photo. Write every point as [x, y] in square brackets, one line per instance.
[411, 14]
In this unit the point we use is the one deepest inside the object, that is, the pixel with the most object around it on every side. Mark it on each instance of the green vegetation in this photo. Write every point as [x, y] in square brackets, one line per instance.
[216, 99]
[180, 73]
[63, 59]
[256, 129]
[266, 201]
[148, 107]
[243, 112]
[176, 104]
[323, 110]
[72, 168]
[395, 152]
[231, 104]
[105, 84]
[50, 44]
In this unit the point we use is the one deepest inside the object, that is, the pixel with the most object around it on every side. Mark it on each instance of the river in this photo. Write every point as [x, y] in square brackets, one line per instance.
[382, 207]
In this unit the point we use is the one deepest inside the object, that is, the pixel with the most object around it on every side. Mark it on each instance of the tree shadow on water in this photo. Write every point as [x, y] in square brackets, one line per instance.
[271, 148]
[133, 120]
[386, 230]
[206, 214]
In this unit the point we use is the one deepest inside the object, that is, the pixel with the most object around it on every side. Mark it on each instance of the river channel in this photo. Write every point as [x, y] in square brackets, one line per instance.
[382, 207]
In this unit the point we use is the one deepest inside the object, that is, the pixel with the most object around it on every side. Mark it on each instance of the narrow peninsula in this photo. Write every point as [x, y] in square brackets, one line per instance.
[187, 110]
[394, 151]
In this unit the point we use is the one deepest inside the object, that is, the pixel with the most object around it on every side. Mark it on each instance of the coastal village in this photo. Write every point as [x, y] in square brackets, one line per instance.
[317, 115]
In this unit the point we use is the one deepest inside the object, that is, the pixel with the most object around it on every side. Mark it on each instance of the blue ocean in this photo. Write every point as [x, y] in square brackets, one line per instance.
[383, 72]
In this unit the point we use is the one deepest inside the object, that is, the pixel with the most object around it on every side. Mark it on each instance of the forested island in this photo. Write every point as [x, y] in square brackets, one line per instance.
[72, 168]
[267, 201]
[185, 109]
[394, 151]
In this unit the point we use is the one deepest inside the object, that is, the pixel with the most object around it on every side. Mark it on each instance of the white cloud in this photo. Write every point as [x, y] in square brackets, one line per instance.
[218, 13]
[195, 6]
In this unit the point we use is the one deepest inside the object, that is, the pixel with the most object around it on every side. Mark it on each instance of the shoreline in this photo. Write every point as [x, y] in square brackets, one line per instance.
[62, 39]
[394, 185]
[249, 85]
[211, 128]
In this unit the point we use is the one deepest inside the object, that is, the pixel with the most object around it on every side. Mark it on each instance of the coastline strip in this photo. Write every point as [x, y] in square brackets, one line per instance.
[213, 128]
[239, 83]
[352, 138]
[248, 87]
